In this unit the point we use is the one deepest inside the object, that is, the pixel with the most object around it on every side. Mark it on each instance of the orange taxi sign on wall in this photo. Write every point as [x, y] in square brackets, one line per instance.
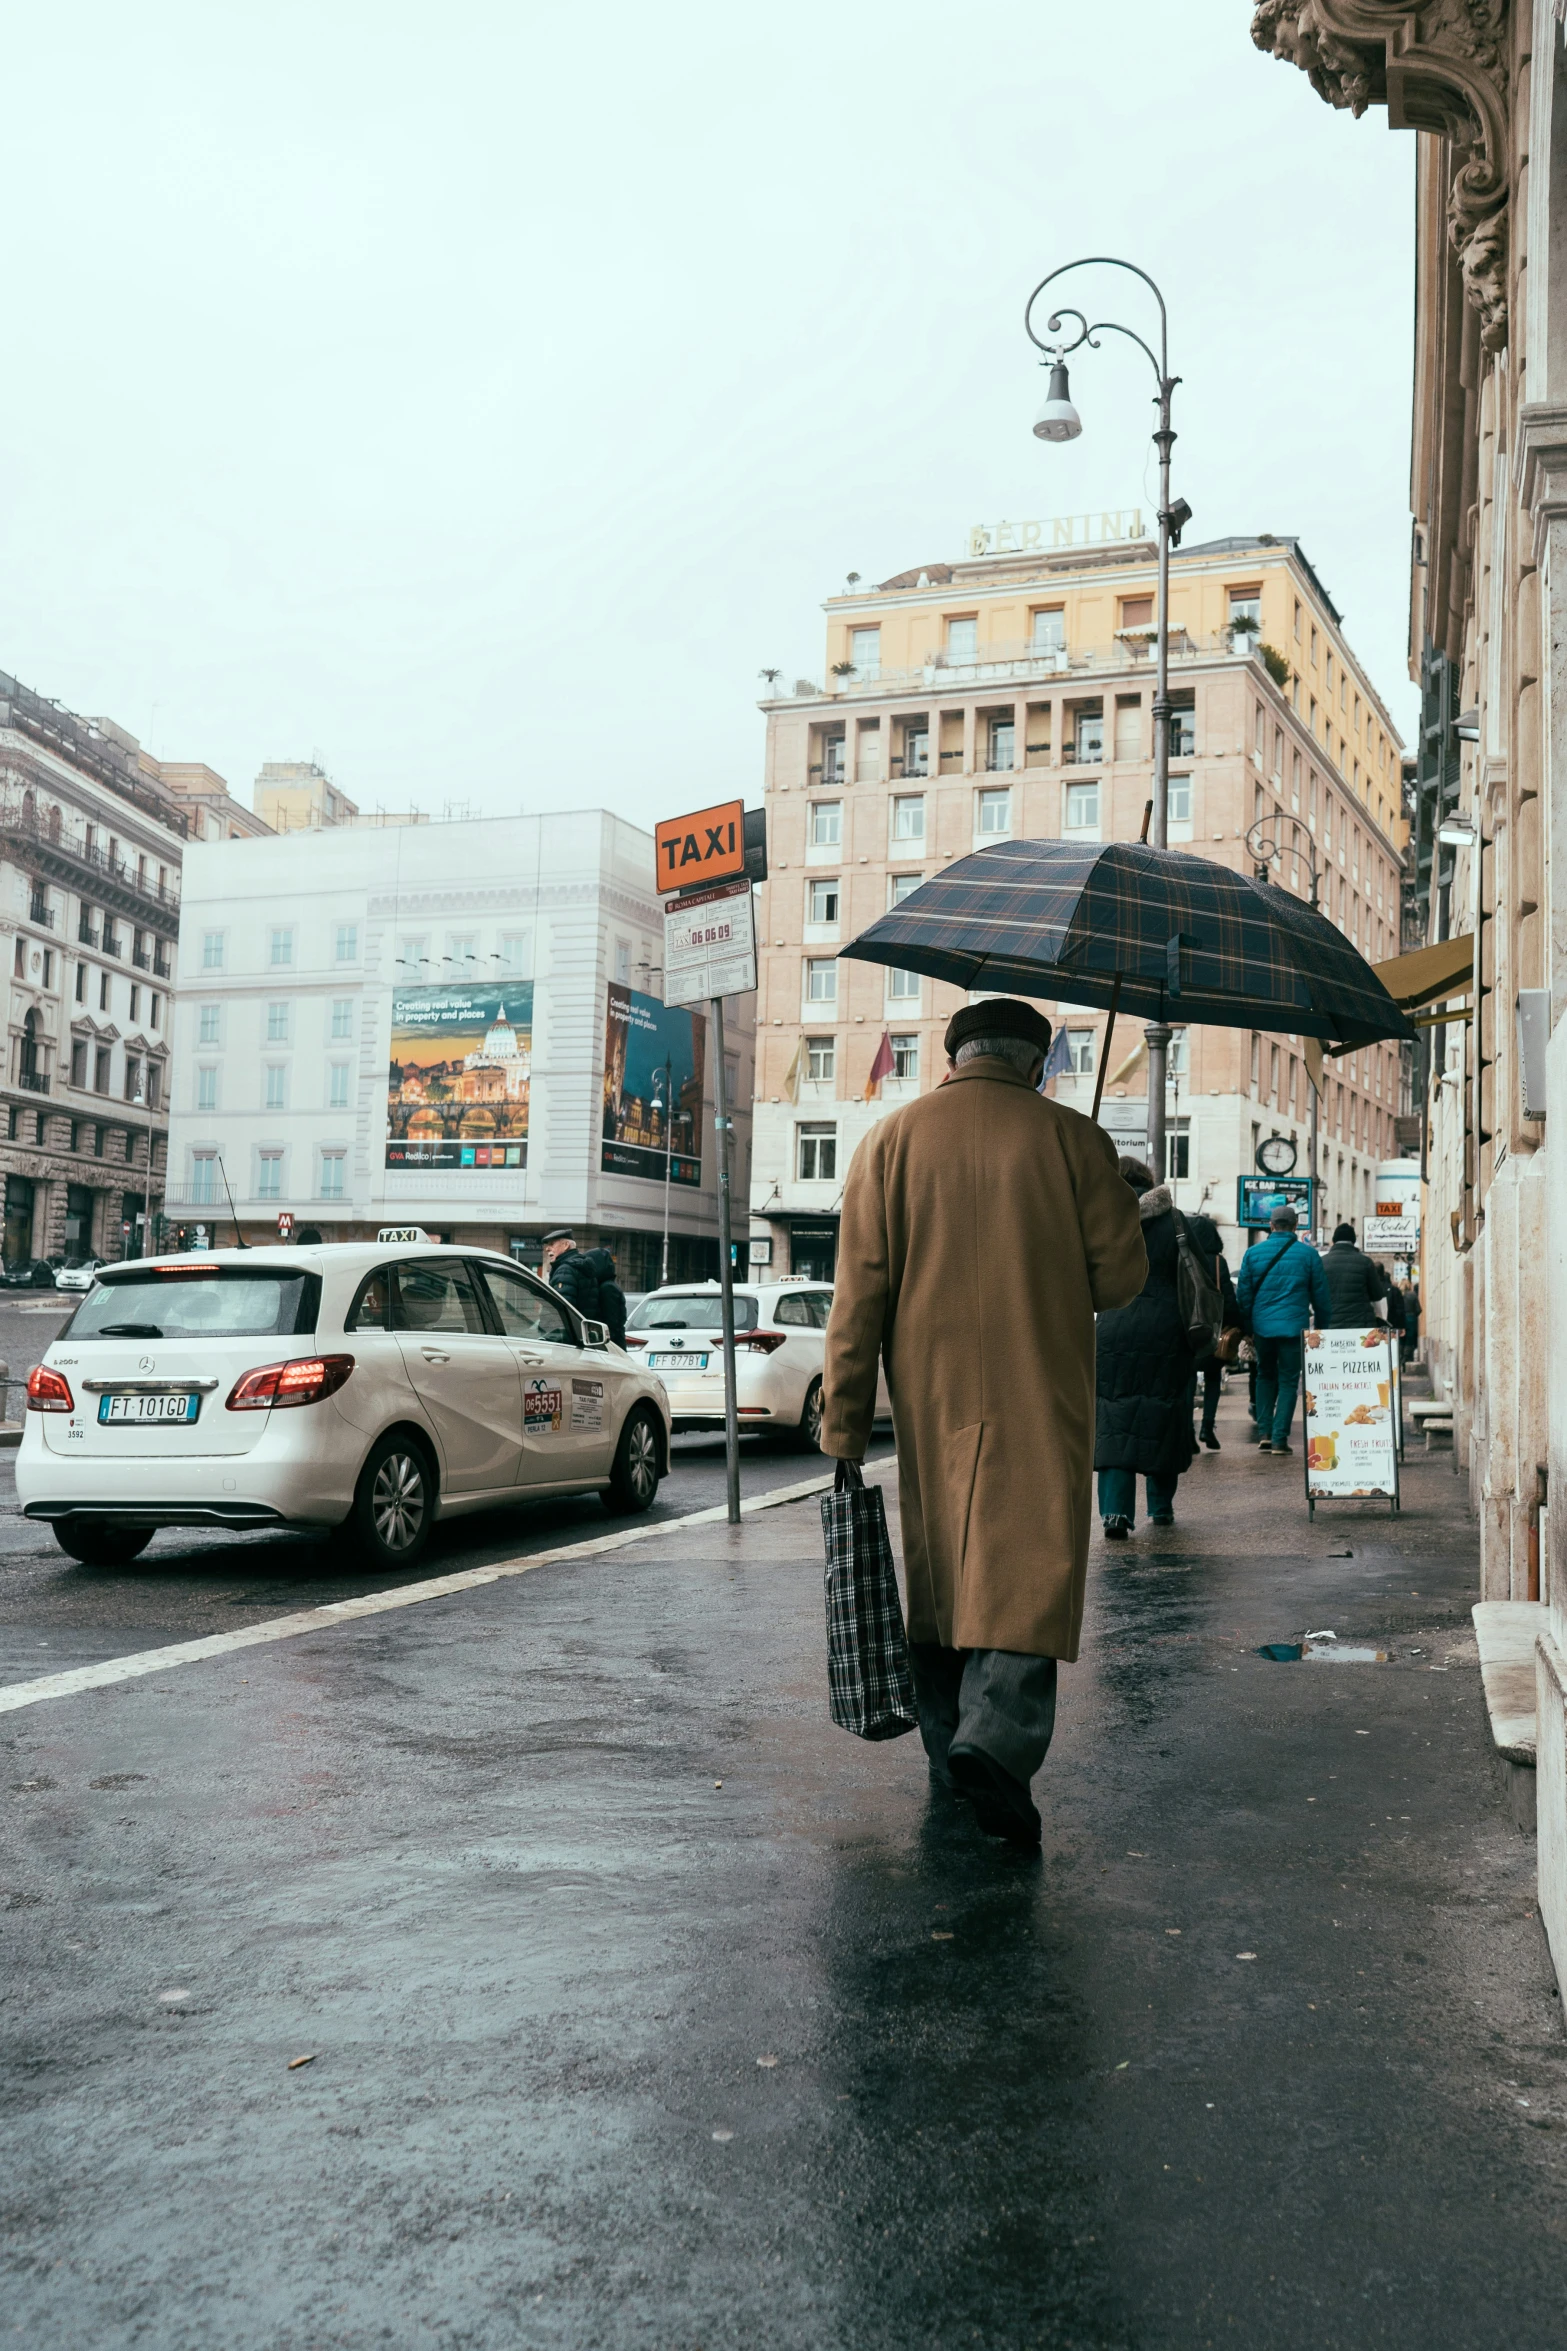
[706, 847]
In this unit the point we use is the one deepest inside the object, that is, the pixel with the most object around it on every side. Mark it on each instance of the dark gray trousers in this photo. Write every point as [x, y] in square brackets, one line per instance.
[997, 1700]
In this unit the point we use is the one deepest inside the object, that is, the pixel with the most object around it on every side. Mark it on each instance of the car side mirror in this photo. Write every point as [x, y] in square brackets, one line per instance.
[595, 1334]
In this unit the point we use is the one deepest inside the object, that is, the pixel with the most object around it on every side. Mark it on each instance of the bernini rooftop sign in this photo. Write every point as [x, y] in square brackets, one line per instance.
[1069, 530]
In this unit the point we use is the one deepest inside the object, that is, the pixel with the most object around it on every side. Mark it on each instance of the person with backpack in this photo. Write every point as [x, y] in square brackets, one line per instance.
[1281, 1285]
[1143, 1375]
[1356, 1283]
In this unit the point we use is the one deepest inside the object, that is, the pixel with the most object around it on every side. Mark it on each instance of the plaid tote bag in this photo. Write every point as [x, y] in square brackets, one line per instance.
[867, 1649]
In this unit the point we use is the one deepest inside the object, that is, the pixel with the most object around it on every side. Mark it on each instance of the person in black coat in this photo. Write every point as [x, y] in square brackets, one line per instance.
[612, 1298]
[1143, 1368]
[572, 1272]
[1355, 1282]
[1203, 1234]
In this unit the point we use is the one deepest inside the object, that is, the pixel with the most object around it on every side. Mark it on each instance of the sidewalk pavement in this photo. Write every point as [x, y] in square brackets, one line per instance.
[644, 2008]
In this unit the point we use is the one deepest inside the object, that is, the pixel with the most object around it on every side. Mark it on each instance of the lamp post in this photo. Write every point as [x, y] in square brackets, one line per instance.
[1059, 421]
[1264, 846]
[146, 1198]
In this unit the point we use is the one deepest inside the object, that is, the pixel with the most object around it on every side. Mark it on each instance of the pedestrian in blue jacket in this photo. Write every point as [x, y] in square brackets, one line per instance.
[1281, 1285]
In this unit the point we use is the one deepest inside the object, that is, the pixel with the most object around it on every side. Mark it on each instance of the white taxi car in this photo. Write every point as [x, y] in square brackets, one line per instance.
[375, 1387]
[780, 1342]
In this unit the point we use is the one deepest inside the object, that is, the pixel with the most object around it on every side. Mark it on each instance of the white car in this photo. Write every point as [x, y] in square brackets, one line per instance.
[375, 1387]
[78, 1277]
[780, 1342]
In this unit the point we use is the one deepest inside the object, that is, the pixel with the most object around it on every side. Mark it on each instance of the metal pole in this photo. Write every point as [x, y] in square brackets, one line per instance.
[1157, 1035]
[726, 1271]
[669, 1156]
[1314, 1106]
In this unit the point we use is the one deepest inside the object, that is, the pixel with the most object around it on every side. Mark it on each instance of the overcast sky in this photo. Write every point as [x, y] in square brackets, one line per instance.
[476, 399]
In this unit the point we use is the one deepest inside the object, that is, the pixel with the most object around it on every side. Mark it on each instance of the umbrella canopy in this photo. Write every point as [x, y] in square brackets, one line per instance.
[1166, 935]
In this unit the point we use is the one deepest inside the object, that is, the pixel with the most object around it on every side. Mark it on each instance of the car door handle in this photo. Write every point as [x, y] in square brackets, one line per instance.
[524, 1357]
[435, 1355]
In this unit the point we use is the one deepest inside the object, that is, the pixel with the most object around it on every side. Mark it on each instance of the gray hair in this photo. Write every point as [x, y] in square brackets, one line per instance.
[1017, 1050]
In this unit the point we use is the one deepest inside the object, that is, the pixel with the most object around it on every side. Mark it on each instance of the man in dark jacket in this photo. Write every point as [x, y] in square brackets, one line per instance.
[572, 1272]
[1281, 1283]
[611, 1307]
[1355, 1282]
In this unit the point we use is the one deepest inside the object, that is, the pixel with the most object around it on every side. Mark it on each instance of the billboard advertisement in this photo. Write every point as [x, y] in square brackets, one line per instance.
[653, 1061]
[461, 1068]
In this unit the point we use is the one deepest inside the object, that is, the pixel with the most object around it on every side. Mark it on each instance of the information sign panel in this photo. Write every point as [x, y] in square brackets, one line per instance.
[1391, 1236]
[1351, 1416]
[709, 945]
[1258, 1196]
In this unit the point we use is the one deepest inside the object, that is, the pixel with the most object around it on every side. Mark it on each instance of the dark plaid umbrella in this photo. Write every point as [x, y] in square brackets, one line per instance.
[1139, 930]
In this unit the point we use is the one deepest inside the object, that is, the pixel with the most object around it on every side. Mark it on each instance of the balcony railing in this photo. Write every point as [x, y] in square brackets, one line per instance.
[33, 1081]
[41, 914]
[1017, 659]
[72, 860]
[141, 959]
[85, 933]
[111, 945]
[162, 967]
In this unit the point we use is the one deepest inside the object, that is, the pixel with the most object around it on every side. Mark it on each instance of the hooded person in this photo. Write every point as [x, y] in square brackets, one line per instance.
[612, 1298]
[983, 1226]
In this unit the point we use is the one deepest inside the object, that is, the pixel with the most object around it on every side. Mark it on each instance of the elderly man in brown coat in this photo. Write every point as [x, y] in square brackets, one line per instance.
[983, 1227]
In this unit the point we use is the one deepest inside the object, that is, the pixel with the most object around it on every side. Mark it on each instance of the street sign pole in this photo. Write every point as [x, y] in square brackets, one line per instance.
[726, 1271]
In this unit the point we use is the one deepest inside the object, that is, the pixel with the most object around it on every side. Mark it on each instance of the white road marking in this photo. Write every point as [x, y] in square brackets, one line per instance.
[315, 1620]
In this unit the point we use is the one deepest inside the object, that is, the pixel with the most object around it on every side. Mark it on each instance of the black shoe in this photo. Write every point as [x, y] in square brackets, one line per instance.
[1210, 1440]
[1161, 1518]
[1117, 1529]
[1264, 1444]
[1002, 1805]
[1283, 1448]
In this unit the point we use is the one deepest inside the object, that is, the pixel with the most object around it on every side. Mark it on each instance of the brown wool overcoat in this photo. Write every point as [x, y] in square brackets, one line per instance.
[983, 1226]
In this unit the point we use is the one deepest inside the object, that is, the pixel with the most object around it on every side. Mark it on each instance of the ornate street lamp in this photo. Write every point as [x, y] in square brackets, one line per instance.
[1059, 421]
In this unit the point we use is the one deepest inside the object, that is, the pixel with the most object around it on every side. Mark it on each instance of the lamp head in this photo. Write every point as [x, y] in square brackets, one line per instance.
[1058, 419]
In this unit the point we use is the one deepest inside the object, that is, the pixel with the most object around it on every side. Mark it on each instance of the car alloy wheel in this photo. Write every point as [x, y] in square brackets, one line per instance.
[397, 1502]
[642, 1460]
[811, 1419]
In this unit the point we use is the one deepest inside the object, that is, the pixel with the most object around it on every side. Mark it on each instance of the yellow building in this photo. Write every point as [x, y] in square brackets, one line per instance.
[1010, 695]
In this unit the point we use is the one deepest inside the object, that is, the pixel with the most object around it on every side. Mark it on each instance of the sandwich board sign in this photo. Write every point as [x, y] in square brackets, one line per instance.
[1351, 1416]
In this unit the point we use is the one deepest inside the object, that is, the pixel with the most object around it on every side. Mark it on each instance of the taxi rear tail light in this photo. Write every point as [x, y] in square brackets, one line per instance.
[304, 1381]
[48, 1391]
[762, 1342]
[634, 1340]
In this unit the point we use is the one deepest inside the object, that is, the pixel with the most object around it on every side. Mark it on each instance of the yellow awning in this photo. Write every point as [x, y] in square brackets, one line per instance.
[1429, 974]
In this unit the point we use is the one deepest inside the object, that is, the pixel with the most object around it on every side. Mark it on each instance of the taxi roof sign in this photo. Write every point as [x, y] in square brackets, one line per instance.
[707, 846]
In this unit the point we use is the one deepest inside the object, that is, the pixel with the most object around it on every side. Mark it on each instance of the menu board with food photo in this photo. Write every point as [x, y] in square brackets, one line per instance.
[1351, 1416]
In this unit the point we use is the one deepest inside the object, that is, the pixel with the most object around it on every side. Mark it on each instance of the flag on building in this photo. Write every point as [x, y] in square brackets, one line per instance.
[1058, 1061]
[881, 1067]
[795, 1072]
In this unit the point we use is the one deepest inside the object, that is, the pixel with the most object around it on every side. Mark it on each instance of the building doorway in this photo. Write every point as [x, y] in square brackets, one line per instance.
[813, 1251]
[78, 1223]
[18, 1220]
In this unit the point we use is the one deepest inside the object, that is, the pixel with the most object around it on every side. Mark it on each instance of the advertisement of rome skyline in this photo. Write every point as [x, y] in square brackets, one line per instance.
[459, 1078]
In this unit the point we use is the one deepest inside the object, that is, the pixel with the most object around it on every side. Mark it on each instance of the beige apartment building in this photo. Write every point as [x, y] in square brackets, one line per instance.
[1010, 695]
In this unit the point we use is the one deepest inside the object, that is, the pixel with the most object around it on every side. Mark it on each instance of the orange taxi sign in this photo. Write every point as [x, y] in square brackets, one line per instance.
[708, 846]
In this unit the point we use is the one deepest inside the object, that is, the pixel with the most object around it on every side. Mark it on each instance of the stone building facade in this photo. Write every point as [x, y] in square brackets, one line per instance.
[1483, 87]
[1011, 695]
[91, 845]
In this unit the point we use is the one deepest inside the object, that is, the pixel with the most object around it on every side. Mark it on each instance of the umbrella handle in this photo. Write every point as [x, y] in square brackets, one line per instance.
[1104, 1058]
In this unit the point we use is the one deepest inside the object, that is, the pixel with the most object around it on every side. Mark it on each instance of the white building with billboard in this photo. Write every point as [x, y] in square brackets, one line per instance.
[458, 1026]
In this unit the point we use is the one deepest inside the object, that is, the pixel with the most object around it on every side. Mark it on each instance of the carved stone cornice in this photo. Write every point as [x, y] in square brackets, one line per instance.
[1540, 467]
[1439, 65]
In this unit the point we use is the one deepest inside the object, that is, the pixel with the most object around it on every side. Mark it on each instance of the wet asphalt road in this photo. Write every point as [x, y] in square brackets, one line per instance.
[648, 2011]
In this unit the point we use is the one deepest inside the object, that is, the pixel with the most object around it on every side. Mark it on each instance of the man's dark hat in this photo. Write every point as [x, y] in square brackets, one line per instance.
[562, 1232]
[1003, 1016]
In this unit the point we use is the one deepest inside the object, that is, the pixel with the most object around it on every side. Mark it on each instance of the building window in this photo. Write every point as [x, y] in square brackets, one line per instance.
[203, 1176]
[995, 812]
[337, 1088]
[81, 983]
[277, 1085]
[1246, 610]
[822, 903]
[903, 885]
[908, 816]
[816, 1154]
[1273, 1073]
[821, 979]
[962, 639]
[1278, 756]
[1176, 1065]
[154, 1084]
[103, 991]
[1082, 808]
[865, 652]
[516, 956]
[132, 1077]
[332, 1175]
[903, 985]
[277, 1024]
[206, 1085]
[411, 957]
[826, 824]
[79, 1061]
[462, 954]
[1259, 732]
[623, 963]
[346, 942]
[280, 946]
[135, 1003]
[342, 1016]
[1137, 612]
[1003, 745]
[269, 1176]
[906, 1057]
[1080, 1052]
[1183, 732]
[1180, 801]
[821, 1060]
[207, 1024]
[1088, 736]
[1048, 631]
[212, 950]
